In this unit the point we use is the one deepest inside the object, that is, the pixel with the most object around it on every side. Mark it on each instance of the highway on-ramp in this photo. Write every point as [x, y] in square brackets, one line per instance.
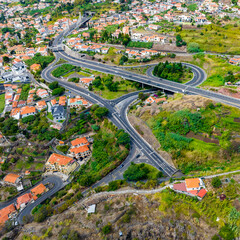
[118, 120]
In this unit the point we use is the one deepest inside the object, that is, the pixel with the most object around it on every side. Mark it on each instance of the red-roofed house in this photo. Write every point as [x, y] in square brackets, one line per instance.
[61, 163]
[23, 200]
[6, 213]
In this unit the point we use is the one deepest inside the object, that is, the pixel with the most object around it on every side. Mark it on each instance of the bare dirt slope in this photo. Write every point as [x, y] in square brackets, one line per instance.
[136, 216]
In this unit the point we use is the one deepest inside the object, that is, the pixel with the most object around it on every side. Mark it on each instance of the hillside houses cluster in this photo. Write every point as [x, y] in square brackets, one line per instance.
[20, 108]
[10, 212]
[76, 44]
[142, 53]
[17, 73]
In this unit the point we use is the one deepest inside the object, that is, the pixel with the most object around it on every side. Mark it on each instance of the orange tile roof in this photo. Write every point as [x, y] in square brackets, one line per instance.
[15, 111]
[24, 199]
[27, 109]
[53, 101]
[202, 193]
[4, 213]
[192, 182]
[15, 104]
[35, 66]
[38, 190]
[32, 91]
[41, 103]
[19, 90]
[62, 100]
[86, 80]
[78, 141]
[193, 192]
[80, 149]
[11, 178]
[60, 159]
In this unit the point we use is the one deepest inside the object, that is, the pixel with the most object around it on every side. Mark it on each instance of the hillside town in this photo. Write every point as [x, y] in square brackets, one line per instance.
[119, 99]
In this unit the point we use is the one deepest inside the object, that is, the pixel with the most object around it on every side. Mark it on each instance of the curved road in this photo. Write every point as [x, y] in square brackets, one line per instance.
[51, 179]
[117, 119]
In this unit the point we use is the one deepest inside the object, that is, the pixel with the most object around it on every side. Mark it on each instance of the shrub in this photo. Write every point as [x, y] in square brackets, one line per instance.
[216, 182]
[226, 232]
[107, 229]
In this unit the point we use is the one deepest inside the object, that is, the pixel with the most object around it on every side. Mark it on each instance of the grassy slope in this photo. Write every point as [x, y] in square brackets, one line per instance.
[2, 102]
[215, 38]
[215, 67]
[203, 156]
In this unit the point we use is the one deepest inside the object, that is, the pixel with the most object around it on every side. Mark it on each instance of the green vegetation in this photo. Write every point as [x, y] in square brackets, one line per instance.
[107, 229]
[38, 127]
[42, 60]
[110, 148]
[217, 38]
[179, 41]
[193, 47]
[192, 7]
[216, 182]
[106, 36]
[217, 68]
[56, 88]
[2, 102]
[136, 172]
[111, 87]
[221, 215]
[207, 136]
[140, 44]
[9, 126]
[24, 92]
[64, 69]
[172, 71]
[76, 80]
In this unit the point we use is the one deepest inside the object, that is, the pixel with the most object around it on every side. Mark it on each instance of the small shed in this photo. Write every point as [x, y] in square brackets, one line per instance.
[91, 209]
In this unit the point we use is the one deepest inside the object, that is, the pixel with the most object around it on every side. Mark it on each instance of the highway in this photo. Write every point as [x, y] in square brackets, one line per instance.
[117, 118]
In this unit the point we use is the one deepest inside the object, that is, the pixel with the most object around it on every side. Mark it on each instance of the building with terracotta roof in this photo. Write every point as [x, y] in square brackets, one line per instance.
[35, 67]
[23, 200]
[80, 152]
[86, 81]
[27, 111]
[6, 213]
[38, 190]
[62, 100]
[192, 187]
[41, 105]
[61, 163]
[12, 178]
[79, 142]
[78, 102]
[42, 93]
[15, 113]
[193, 184]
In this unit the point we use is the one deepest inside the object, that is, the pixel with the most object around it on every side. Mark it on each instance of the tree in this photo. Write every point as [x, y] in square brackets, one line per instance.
[136, 172]
[6, 59]
[141, 96]
[107, 229]
[216, 182]
[101, 112]
[53, 85]
[226, 232]
[42, 213]
[193, 47]
[122, 137]
[58, 91]
[95, 127]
